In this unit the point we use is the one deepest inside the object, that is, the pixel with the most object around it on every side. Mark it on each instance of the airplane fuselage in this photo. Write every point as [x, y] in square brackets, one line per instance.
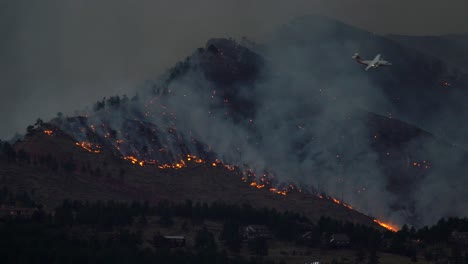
[376, 62]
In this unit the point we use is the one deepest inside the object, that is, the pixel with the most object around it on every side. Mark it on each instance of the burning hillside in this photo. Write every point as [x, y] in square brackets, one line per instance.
[279, 124]
[50, 135]
[87, 175]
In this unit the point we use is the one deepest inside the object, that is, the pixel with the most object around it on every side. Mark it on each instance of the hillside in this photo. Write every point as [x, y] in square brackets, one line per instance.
[102, 176]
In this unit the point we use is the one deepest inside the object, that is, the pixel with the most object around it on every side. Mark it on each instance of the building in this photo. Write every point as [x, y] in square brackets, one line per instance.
[17, 212]
[310, 238]
[161, 241]
[339, 240]
[175, 241]
[255, 231]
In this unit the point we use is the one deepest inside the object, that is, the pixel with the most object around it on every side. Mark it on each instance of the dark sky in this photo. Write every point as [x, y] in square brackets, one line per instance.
[62, 55]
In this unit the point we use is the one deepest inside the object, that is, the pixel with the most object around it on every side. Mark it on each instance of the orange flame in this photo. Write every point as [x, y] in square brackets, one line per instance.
[89, 147]
[48, 132]
[389, 227]
[274, 190]
[178, 165]
[339, 202]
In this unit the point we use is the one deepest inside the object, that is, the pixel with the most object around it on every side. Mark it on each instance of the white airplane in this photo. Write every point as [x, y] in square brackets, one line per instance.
[376, 62]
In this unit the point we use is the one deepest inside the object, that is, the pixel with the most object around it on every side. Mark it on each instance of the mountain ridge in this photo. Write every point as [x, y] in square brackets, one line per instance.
[285, 116]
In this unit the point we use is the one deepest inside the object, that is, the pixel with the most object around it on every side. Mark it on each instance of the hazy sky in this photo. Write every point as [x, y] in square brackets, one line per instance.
[62, 55]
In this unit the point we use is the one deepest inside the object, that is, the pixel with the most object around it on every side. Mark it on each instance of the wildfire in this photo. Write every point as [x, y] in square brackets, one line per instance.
[339, 202]
[247, 172]
[90, 147]
[336, 201]
[195, 159]
[274, 190]
[49, 132]
[229, 167]
[387, 226]
[178, 165]
[135, 160]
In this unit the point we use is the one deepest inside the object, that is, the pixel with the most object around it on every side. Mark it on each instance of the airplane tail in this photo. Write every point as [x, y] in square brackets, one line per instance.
[356, 57]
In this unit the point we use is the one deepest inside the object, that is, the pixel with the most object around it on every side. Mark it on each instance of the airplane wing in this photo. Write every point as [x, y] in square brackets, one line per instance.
[385, 63]
[376, 60]
[366, 62]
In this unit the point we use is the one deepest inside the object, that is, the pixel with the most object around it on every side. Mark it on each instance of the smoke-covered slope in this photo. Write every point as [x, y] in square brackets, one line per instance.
[414, 89]
[450, 48]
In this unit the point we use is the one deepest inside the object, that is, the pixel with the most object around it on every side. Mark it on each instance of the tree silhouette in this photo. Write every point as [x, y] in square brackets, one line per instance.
[373, 257]
[258, 246]
[204, 240]
[230, 235]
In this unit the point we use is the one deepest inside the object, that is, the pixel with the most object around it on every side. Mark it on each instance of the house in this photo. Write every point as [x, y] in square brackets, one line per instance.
[310, 238]
[339, 240]
[255, 231]
[17, 212]
[175, 241]
[161, 241]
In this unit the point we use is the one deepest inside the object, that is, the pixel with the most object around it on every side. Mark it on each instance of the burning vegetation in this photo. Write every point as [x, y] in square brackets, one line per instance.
[387, 226]
[90, 147]
[248, 175]
[48, 132]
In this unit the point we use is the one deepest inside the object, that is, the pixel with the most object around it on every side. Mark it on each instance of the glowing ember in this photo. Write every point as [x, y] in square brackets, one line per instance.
[229, 167]
[274, 190]
[178, 165]
[422, 164]
[387, 226]
[134, 160]
[89, 147]
[246, 172]
[48, 132]
[338, 202]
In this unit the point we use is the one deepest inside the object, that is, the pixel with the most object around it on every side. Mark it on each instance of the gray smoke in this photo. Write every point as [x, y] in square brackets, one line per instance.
[307, 131]
[307, 102]
[57, 56]
[305, 128]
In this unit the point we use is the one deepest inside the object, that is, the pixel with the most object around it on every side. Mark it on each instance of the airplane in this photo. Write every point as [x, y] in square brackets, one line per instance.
[376, 62]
